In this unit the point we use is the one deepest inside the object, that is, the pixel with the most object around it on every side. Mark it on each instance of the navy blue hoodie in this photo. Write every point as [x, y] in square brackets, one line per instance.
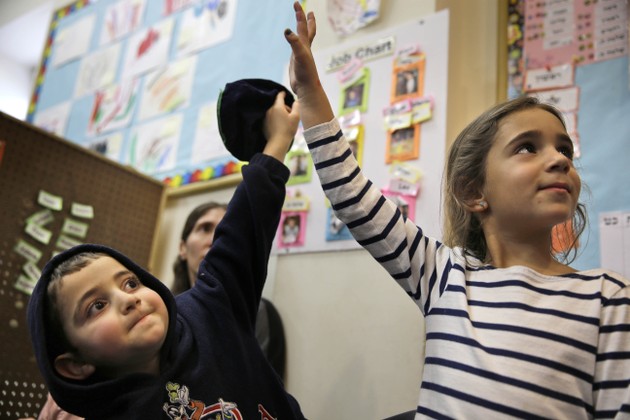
[211, 363]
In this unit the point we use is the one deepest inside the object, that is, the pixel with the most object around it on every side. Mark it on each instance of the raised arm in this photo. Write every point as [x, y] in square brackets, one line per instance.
[374, 221]
[243, 240]
[314, 105]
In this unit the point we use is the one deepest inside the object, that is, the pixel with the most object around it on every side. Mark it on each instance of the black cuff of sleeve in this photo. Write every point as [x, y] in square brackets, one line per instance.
[272, 164]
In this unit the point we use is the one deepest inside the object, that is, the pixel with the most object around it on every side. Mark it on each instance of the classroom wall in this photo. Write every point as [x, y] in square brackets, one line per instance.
[354, 339]
[15, 85]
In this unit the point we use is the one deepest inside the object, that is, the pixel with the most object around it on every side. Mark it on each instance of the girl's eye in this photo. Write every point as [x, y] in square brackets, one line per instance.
[526, 148]
[567, 151]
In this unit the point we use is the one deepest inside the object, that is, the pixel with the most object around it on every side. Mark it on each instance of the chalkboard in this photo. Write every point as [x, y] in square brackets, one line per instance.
[53, 194]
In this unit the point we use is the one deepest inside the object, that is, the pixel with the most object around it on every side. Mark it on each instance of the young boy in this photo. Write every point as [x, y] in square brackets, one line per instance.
[112, 342]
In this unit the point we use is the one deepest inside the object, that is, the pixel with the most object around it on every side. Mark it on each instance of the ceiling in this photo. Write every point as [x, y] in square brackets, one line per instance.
[22, 40]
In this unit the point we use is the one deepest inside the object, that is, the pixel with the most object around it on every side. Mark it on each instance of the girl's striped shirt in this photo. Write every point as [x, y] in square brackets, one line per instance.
[500, 342]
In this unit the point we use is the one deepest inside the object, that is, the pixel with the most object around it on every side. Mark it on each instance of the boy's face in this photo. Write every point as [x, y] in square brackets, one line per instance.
[115, 322]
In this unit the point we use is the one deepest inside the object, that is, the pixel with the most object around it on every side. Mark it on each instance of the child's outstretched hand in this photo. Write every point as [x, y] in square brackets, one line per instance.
[303, 76]
[302, 70]
[280, 126]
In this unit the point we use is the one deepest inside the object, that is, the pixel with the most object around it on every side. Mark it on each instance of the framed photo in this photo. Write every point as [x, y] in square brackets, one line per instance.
[406, 203]
[354, 135]
[355, 94]
[403, 144]
[336, 230]
[408, 80]
[300, 164]
[292, 229]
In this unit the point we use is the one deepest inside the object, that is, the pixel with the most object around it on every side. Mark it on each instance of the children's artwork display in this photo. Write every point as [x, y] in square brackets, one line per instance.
[144, 93]
[148, 74]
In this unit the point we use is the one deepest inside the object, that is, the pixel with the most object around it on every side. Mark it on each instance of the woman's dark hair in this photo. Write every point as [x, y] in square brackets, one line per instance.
[181, 281]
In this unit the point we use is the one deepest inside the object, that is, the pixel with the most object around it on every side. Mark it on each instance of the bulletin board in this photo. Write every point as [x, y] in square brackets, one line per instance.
[377, 63]
[574, 54]
[55, 194]
[138, 80]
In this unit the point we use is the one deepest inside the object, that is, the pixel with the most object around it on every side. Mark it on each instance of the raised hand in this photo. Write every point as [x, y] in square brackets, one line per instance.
[280, 126]
[303, 76]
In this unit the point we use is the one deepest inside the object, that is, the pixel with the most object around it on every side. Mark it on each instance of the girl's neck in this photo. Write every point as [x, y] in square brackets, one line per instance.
[535, 254]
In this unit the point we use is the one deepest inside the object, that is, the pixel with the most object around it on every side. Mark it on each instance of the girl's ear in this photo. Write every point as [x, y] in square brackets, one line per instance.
[69, 366]
[476, 205]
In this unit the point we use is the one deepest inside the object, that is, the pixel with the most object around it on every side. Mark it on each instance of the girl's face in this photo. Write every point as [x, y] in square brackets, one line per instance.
[531, 182]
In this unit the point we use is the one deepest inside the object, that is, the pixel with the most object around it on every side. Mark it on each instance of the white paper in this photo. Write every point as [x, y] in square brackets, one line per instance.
[346, 16]
[73, 41]
[204, 28]
[121, 18]
[552, 78]
[614, 241]
[148, 49]
[563, 99]
[168, 89]
[97, 70]
[154, 144]
[113, 107]
[208, 144]
[53, 119]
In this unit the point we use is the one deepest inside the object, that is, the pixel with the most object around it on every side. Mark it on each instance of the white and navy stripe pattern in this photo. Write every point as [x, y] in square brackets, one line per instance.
[500, 343]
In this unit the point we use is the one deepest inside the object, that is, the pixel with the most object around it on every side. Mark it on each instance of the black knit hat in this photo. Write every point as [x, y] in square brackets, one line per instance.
[241, 112]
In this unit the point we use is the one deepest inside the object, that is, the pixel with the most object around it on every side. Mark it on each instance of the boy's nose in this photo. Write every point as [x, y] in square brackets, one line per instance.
[128, 302]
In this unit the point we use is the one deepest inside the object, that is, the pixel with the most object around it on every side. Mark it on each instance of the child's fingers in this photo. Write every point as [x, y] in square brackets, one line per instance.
[311, 26]
[279, 102]
[295, 109]
[301, 23]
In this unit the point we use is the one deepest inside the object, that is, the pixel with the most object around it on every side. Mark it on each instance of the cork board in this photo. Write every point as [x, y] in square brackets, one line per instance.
[125, 207]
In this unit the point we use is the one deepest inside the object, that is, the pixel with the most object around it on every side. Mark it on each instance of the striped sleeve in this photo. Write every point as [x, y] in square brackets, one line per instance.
[375, 222]
[611, 386]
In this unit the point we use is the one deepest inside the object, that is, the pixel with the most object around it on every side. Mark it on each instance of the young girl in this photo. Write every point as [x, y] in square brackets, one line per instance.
[510, 329]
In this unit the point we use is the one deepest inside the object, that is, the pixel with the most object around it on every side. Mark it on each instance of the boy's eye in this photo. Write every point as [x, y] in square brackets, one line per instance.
[95, 307]
[132, 283]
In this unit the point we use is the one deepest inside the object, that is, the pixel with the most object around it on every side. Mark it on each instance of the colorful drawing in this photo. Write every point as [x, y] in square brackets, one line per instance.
[113, 107]
[154, 145]
[121, 18]
[207, 24]
[148, 49]
[168, 89]
[97, 70]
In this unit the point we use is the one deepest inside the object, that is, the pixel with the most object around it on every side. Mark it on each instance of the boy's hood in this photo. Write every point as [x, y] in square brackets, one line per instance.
[79, 396]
